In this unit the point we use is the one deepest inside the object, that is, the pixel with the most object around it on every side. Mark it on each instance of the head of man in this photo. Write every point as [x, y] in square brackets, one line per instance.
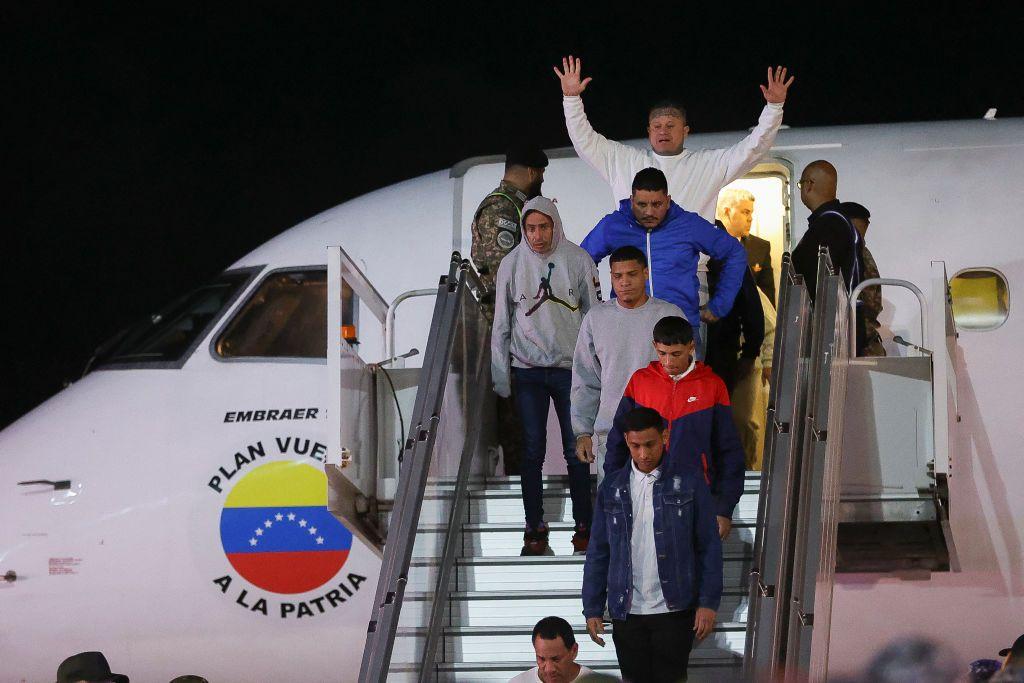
[650, 198]
[556, 650]
[87, 667]
[818, 184]
[736, 211]
[524, 168]
[539, 231]
[646, 437]
[629, 276]
[666, 128]
[858, 215]
[1013, 656]
[673, 342]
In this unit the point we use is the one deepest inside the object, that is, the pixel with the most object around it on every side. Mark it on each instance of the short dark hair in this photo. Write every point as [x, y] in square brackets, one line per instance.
[667, 104]
[628, 253]
[639, 419]
[672, 330]
[854, 210]
[650, 180]
[550, 628]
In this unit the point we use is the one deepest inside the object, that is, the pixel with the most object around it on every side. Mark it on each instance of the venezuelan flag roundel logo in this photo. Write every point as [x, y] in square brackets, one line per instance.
[277, 532]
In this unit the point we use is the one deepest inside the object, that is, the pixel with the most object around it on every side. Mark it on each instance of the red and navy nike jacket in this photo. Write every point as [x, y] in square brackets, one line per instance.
[702, 435]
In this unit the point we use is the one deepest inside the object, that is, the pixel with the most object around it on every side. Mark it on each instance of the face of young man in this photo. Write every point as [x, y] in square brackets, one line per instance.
[646, 448]
[650, 208]
[629, 280]
[539, 231]
[675, 358]
[666, 131]
[739, 218]
[555, 662]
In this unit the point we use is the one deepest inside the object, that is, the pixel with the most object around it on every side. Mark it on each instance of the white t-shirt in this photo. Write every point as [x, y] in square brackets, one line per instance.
[532, 676]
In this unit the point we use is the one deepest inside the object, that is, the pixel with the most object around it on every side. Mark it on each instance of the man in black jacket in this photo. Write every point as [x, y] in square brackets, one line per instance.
[828, 227]
[734, 341]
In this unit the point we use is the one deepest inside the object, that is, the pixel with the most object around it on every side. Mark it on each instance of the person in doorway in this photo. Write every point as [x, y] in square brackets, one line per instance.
[556, 650]
[694, 402]
[735, 214]
[672, 240]
[655, 560]
[870, 297]
[544, 288]
[749, 397]
[496, 231]
[614, 341]
[695, 177]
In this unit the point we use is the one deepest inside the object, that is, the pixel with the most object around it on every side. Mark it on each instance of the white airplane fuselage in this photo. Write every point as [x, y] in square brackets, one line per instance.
[135, 560]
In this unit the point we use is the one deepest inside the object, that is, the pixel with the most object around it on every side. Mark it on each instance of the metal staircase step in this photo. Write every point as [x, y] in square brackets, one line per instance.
[526, 608]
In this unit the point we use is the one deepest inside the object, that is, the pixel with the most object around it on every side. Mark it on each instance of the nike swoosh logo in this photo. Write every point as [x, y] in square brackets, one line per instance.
[691, 399]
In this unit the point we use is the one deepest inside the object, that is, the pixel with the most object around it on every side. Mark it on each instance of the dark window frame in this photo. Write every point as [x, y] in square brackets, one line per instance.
[250, 271]
[1006, 283]
[227, 321]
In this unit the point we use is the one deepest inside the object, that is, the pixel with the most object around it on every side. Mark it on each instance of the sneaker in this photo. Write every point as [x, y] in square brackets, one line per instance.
[535, 542]
[580, 540]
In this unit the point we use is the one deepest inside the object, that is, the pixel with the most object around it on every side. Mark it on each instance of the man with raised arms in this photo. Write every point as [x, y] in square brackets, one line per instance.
[694, 176]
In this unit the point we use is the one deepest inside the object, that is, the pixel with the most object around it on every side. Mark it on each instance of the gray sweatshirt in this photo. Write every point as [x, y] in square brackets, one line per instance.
[614, 342]
[540, 301]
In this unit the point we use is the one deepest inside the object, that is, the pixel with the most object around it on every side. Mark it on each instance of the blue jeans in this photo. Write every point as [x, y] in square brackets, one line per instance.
[534, 389]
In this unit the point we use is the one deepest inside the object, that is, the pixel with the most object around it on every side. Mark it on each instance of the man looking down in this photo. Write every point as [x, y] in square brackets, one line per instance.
[672, 239]
[695, 403]
[654, 559]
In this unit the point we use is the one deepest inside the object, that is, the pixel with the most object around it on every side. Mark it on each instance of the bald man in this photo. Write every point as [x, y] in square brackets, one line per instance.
[828, 227]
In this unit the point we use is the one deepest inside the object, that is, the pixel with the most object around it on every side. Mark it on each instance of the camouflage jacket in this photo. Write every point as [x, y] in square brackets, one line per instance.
[871, 297]
[496, 231]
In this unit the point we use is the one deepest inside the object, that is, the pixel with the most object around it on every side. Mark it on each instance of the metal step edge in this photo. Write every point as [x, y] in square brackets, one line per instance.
[505, 527]
[555, 594]
[749, 475]
[514, 493]
[514, 668]
[498, 560]
[526, 630]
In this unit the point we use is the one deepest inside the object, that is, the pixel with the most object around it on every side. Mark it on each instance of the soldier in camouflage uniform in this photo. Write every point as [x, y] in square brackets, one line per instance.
[870, 297]
[496, 231]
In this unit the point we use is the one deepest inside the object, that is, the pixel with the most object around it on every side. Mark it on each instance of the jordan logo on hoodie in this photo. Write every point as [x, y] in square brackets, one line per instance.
[544, 293]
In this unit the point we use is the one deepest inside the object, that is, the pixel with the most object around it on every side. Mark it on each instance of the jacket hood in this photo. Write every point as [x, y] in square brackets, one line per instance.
[548, 208]
[626, 210]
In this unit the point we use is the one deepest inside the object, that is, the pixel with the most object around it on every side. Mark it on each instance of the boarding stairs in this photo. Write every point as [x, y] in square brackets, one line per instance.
[456, 602]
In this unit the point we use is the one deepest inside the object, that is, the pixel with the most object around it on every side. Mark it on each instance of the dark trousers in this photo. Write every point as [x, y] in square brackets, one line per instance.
[654, 648]
[534, 390]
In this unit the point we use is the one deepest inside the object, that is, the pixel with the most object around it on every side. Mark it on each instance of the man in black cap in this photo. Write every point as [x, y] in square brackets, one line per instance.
[1013, 656]
[86, 667]
[496, 231]
[870, 297]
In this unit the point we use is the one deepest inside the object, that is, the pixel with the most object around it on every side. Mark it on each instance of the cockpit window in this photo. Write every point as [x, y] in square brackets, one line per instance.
[167, 338]
[286, 317]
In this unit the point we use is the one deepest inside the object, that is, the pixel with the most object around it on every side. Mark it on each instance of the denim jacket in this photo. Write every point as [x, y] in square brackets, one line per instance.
[685, 539]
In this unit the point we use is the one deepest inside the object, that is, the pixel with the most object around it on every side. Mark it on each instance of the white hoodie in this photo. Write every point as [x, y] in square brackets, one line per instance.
[694, 176]
[540, 301]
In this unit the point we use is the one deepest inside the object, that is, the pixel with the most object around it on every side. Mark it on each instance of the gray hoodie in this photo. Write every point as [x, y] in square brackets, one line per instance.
[540, 301]
[614, 343]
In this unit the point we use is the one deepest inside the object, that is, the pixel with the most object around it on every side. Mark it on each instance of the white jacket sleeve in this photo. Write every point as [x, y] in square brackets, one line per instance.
[745, 154]
[585, 395]
[501, 333]
[609, 158]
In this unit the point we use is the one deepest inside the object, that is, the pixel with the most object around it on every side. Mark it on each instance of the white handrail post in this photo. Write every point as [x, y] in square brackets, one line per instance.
[334, 318]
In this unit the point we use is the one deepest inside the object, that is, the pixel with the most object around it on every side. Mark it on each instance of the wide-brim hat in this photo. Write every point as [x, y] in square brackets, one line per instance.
[87, 666]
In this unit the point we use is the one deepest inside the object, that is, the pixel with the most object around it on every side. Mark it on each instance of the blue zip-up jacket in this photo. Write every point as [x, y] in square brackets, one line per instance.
[672, 251]
[685, 540]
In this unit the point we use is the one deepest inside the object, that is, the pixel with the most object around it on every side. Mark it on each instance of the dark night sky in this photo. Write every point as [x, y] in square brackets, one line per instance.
[146, 150]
